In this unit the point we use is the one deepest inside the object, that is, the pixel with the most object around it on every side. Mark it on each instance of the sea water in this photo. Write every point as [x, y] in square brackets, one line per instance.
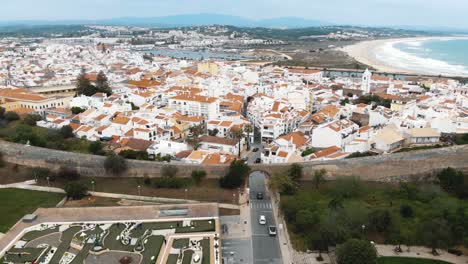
[436, 56]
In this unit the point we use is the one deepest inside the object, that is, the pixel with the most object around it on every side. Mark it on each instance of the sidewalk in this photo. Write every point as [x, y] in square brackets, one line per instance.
[419, 252]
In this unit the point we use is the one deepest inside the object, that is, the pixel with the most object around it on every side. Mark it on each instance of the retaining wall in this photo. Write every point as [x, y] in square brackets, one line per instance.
[418, 165]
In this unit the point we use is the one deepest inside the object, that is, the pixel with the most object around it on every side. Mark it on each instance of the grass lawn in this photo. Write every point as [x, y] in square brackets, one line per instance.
[207, 191]
[16, 203]
[402, 260]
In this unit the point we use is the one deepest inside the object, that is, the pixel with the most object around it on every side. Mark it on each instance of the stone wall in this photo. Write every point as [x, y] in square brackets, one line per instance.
[392, 167]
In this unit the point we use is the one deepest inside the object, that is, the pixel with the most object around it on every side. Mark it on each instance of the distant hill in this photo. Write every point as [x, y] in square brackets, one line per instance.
[184, 20]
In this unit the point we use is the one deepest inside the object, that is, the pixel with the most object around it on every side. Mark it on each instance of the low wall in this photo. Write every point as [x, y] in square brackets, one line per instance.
[417, 165]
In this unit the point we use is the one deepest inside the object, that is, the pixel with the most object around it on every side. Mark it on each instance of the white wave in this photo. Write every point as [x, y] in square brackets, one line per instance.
[392, 56]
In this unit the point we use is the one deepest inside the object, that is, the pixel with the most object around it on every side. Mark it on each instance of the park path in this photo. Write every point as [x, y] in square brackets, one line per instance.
[30, 185]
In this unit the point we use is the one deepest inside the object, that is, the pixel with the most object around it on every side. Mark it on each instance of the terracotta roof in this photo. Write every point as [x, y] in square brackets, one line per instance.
[218, 140]
[297, 138]
[195, 98]
[326, 152]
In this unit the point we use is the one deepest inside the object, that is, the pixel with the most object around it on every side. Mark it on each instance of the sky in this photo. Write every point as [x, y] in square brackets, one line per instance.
[432, 13]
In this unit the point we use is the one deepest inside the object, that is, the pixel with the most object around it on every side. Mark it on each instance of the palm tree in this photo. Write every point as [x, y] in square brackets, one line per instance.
[193, 142]
[238, 134]
[248, 129]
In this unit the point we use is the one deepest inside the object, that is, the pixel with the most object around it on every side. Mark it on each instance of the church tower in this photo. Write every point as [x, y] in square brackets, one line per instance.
[366, 81]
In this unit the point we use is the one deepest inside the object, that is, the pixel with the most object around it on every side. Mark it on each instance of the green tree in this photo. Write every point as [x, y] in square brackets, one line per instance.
[198, 176]
[406, 211]
[76, 190]
[2, 112]
[295, 172]
[115, 165]
[102, 83]
[435, 233]
[77, 110]
[96, 148]
[319, 177]
[31, 119]
[283, 184]
[66, 132]
[11, 116]
[380, 220]
[235, 176]
[356, 251]
[82, 82]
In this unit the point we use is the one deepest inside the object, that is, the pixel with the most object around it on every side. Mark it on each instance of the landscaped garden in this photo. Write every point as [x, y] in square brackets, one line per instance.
[16, 203]
[143, 238]
[322, 214]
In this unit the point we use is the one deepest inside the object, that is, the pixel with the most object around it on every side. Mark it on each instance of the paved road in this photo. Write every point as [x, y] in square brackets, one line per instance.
[236, 251]
[252, 156]
[265, 248]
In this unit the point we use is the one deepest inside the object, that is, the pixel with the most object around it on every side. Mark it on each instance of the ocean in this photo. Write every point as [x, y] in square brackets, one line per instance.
[435, 56]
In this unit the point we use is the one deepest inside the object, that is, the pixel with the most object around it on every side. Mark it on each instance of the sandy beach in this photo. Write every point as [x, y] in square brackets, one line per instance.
[367, 52]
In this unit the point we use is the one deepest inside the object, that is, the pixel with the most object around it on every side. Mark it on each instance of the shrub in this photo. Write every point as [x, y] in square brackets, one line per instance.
[95, 148]
[147, 180]
[356, 251]
[66, 132]
[170, 182]
[2, 161]
[76, 190]
[115, 165]
[169, 171]
[198, 176]
[43, 173]
[406, 211]
[69, 174]
[11, 116]
[380, 220]
[31, 119]
[136, 155]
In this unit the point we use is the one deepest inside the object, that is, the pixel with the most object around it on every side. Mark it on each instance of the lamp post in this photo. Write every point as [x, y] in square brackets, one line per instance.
[48, 181]
[185, 194]
[139, 190]
[92, 185]
[234, 198]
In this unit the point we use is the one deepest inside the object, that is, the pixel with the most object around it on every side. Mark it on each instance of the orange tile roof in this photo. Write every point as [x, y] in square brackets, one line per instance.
[195, 98]
[121, 120]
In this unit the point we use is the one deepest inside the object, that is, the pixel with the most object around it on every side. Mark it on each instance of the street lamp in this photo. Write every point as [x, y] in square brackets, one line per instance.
[48, 181]
[185, 194]
[139, 190]
[234, 198]
[92, 185]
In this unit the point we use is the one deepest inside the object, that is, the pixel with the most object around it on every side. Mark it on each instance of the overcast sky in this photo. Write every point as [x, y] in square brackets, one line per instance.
[453, 13]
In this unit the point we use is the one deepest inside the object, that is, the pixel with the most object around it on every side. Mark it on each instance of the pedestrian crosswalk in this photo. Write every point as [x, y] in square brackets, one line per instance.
[260, 205]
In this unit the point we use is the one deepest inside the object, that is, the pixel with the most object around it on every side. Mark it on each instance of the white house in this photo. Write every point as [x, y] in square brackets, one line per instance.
[337, 133]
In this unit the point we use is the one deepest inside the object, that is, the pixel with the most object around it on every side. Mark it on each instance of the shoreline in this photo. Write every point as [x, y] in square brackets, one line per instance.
[366, 53]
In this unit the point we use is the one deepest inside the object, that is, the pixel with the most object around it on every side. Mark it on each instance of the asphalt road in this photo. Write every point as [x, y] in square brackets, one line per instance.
[237, 251]
[265, 248]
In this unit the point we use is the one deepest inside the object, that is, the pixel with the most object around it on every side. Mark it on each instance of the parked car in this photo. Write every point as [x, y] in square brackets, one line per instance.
[259, 196]
[258, 160]
[272, 230]
[254, 149]
[262, 220]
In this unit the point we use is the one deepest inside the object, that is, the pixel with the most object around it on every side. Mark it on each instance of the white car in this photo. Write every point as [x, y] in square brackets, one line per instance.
[262, 220]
